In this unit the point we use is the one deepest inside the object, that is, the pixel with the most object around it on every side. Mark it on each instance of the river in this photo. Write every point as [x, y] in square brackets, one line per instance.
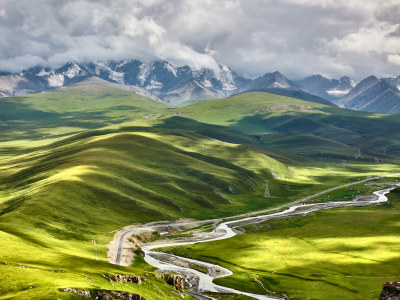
[202, 281]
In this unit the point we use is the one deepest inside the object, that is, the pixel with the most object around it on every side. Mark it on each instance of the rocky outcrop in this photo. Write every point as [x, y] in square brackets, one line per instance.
[81, 293]
[116, 295]
[390, 291]
[126, 278]
[176, 281]
[105, 295]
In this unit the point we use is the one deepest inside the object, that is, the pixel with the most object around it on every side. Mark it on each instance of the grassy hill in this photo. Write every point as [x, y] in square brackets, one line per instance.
[79, 163]
[262, 114]
[39, 119]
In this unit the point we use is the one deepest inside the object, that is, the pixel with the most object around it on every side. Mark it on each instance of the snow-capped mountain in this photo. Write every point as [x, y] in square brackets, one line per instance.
[21, 84]
[330, 89]
[269, 80]
[277, 83]
[177, 84]
[189, 90]
[373, 95]
[169, 83]
[394, 81]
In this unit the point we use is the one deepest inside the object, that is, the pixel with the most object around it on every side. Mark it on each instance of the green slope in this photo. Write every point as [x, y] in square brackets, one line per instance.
[260, 114]
[80, 163]
[39, 119]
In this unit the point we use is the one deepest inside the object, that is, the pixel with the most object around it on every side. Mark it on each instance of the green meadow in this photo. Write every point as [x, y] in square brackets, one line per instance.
[346, 253]
[80, 163]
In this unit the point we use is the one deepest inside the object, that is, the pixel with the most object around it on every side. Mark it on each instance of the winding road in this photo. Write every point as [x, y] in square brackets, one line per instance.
[200, 281]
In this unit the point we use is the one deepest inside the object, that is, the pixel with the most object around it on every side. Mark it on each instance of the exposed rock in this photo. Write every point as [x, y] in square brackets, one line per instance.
[119, 295]
[175, 280]
[274, 108]
[127, 295]
[103, 296]
[128, 278]
[82, 293]
[390, 291]
[57, 271]
[5, 263]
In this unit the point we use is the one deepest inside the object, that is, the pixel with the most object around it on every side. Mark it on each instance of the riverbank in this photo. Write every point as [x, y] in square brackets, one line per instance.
[340, 253]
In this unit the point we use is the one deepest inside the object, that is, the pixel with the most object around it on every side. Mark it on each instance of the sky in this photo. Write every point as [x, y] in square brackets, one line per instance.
[296, 37]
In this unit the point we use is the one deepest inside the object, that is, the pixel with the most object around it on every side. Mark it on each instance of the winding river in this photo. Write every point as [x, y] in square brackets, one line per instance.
[171, 263]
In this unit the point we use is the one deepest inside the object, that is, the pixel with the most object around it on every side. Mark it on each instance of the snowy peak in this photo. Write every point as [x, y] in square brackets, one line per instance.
[132, 72]
[158, 77]
[364, 85]
[177, 84]
[394, 81]
[170, 68]
[397, 82]
[341, 87]
[67, 74]
[347, 82]
[190, 90]
[280, 81]
[373, 95]
[223, 79]
[268, 81]
[20, 84]
[330, 89]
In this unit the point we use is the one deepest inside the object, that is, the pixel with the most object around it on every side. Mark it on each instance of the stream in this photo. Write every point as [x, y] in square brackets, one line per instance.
[192, 269]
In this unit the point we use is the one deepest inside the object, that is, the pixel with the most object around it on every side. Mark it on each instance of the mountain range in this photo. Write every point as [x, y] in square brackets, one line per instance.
[175, 85]
[373, 95]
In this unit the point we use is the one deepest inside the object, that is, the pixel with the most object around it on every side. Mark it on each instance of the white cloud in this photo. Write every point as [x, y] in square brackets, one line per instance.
[297, 37]
[381, 39]
[20, 62]
[3, 13]
[394, 59]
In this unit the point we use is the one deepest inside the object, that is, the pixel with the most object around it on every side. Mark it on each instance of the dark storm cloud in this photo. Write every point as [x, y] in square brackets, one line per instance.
[297, 37]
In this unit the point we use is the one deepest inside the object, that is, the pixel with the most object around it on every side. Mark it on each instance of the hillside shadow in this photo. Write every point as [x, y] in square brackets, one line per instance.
[217, 132]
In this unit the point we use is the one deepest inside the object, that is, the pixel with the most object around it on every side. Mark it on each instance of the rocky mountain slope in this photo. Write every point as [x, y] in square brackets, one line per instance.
[373, 95]
[276, 83]
[323, 87]
[160, 78]
[175, 85]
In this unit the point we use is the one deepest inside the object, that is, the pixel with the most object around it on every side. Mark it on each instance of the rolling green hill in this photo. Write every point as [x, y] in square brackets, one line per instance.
[79, 163]
[39, 119]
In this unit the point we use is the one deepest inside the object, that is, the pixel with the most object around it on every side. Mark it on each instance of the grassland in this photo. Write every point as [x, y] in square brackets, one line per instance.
[345, 253]
[40, 119]
[78, 164]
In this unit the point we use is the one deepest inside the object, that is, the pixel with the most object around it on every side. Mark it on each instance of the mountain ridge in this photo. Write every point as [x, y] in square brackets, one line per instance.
[174, 85]
[373, 95]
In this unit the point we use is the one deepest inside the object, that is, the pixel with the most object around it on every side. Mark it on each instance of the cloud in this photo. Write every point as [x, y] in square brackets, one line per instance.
[381, 39]
[394, 59]
[297, 37]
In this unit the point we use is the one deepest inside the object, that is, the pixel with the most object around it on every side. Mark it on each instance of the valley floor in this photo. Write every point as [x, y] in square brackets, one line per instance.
[342, 253]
